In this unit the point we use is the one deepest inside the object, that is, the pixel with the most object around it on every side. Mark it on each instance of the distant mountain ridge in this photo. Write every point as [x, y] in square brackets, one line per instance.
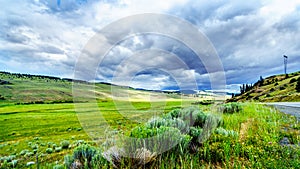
[275, 88]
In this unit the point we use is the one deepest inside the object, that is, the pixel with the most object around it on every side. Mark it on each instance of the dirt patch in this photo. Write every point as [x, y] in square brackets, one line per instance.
[244, 129]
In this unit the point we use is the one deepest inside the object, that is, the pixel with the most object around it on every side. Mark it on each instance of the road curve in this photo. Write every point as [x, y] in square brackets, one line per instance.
[292, 108]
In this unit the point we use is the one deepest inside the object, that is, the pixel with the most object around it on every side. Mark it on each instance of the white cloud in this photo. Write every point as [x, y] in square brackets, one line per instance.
[250, 37]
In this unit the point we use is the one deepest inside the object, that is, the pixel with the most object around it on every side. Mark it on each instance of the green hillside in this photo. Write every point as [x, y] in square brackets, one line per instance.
[29, 89]
[21, 88]
[277, 88]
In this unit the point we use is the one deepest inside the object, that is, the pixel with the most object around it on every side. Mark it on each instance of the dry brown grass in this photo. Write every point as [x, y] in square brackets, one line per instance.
[244, 129]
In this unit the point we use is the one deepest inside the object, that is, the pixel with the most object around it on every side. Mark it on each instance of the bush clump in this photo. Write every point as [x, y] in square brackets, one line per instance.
[23, 152]
[156, 139]
[49, 150]
[176, 123]
[227, 133]
[298, 85]
[231, 108]
[58, 149]
[179, 127]
[293, 80]
[84, 154]
[65, 144]
[58, 166]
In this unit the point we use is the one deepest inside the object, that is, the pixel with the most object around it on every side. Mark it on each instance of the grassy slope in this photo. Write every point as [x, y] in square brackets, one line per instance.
[28, 89]
[274, 89]
[34, 89]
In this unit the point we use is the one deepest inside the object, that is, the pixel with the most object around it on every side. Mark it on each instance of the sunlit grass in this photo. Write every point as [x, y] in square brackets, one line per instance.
[22, 124]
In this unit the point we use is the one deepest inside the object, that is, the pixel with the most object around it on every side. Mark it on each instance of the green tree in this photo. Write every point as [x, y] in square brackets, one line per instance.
[261, 81]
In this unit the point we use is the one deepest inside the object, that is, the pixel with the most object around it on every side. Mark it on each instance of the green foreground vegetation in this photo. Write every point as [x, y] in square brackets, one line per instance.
[246, 138]
[40, 126]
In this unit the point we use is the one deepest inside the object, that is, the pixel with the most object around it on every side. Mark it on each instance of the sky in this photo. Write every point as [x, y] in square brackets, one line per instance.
[51, 37]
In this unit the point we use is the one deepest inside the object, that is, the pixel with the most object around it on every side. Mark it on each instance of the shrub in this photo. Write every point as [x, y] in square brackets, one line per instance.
[84, 154]
[49, 144]
[13, 163]
[68, 160]
[7, 158]
[58, 149]
[191, 116]
[231, 108]
[23, 152]
[298, 85]
[225, 132]
[49, 150]
[65, 144]
[199, 118]
[157, 139]
[195, 132]
[175, 113]
[34, 147]
[197, 125]
[99, 161]
[159, 122]
[29, 154]
[185, 113]
[137, 159]
[58, 166]
[293, 80]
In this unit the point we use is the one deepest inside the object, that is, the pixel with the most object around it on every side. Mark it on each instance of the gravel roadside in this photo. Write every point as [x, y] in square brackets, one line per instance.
[292, 108]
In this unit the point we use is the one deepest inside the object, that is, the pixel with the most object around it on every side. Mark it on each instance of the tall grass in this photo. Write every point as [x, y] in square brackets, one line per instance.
[248, 139]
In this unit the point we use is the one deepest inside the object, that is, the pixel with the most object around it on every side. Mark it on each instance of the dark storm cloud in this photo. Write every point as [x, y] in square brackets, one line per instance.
[153, 41]
[249, 36]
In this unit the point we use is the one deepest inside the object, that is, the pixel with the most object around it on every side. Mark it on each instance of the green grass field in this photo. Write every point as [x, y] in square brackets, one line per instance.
[38, 119]
[22, 126]
[38, 127]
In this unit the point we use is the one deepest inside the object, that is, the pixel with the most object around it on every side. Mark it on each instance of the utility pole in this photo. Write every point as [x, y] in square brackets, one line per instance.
[285, 58]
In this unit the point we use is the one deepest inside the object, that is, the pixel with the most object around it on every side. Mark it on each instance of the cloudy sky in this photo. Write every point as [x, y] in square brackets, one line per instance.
[51, 37]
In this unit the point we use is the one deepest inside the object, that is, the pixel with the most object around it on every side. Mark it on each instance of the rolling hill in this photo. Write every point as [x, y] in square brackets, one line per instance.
[275, 88]
[28, 89]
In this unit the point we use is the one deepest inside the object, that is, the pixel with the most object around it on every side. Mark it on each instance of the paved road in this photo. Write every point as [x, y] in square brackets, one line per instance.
[292, 108]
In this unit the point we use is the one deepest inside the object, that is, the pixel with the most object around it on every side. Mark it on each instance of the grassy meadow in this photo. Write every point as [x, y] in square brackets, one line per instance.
[27, 130]
[24, 126]
[41, 126]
